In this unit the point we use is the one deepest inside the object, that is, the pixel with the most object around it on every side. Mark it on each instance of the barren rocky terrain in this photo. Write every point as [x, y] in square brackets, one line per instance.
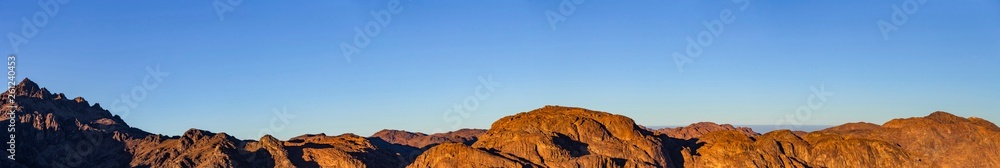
[56, 131]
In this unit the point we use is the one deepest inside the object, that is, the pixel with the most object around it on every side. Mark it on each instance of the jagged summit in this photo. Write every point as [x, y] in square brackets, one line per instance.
[36, 99]
[30, 88]
[195, 133]
[27, 83]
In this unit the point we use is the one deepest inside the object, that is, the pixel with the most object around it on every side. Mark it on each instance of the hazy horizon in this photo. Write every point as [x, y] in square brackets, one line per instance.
[228, 69]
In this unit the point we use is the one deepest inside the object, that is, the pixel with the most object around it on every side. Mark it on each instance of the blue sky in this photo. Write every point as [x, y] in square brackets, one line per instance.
[228, 73]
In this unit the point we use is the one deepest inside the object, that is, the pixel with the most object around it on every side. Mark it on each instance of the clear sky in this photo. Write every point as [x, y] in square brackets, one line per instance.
[228, 73]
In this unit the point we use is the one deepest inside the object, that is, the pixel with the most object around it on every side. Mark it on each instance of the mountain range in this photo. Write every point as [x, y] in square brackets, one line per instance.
[55, 131]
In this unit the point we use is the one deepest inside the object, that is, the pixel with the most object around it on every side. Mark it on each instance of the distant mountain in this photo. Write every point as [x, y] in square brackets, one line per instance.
[54, 131]
[698, 129]
[421, 140]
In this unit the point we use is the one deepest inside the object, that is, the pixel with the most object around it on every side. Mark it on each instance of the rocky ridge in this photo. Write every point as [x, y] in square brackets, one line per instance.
[54, 131]
[421, 140]
[698, 129]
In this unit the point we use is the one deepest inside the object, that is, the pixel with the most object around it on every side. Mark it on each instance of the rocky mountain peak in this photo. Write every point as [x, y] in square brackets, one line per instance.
[267, 138]
[60, 96]
[557, 136]
[30, 88]
[194, 133]
[27, 84]
[80, 100]
[944, 117]
[35, 100]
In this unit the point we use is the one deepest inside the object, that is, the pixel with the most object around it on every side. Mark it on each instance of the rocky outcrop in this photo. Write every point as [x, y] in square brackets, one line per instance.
[555, 136]
[940, 138]
[421, 140]
[937, 140]
[785, 149]
[346, 150]
[698, 129]
[257, 152]
[459, 155]
[195, 148]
